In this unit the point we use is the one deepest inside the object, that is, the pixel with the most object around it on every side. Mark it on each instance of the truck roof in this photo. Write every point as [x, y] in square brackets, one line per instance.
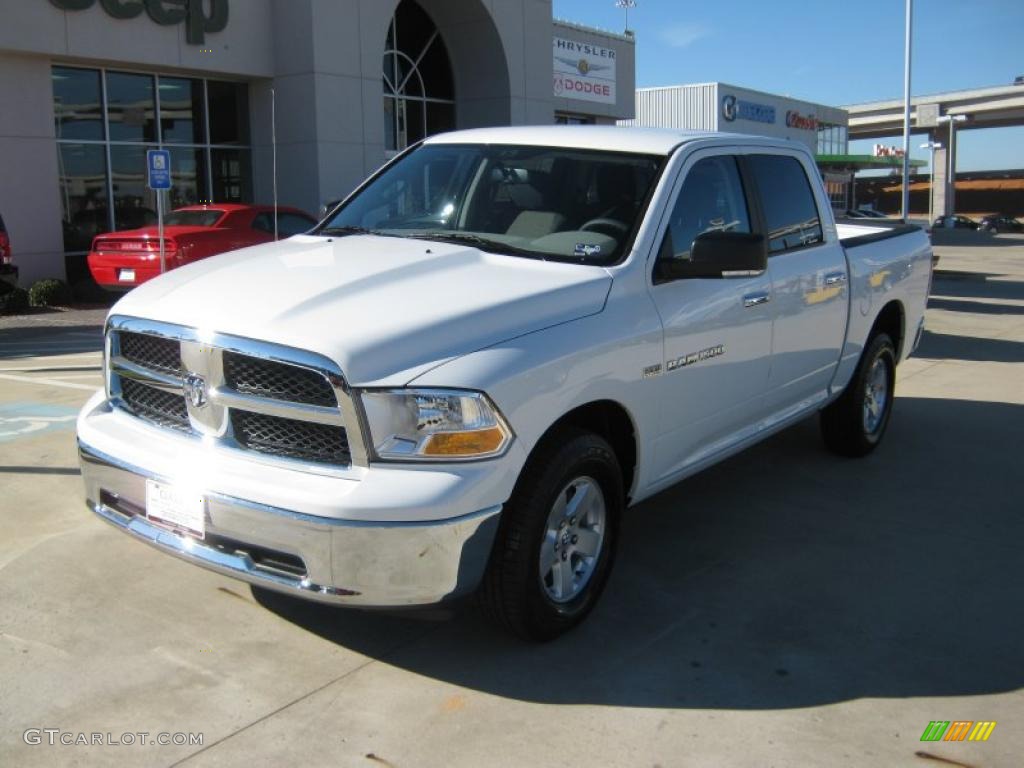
[650, 141]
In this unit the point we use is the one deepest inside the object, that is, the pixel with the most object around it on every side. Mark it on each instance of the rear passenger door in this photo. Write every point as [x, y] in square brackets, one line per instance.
[717, 330]
[810, 294]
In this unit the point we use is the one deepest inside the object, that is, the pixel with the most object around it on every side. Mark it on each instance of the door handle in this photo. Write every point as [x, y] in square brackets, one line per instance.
[755, 299]
[836, 278]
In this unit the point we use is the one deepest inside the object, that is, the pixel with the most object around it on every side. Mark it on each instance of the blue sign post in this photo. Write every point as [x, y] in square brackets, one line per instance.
[158, 178]
[158, 162]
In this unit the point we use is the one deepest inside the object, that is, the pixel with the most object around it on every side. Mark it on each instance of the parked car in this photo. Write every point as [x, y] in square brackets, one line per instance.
[463, 378]
[122, 260]
[8, 271]
[956, 221]
[1001, 223]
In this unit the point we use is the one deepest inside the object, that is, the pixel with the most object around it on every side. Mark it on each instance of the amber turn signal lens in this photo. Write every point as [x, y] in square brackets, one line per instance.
[481, 441]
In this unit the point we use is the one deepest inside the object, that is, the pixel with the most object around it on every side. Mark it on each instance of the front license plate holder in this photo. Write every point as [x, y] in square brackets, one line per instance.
[175, 507]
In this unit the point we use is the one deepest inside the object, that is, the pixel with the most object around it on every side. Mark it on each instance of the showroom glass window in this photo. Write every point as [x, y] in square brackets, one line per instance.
[419, 93]
[105, 120]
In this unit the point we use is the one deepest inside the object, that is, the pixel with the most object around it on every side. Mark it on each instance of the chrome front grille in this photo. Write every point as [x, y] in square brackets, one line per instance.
[153, 352]
[155, 405]
[267, 378]
[291, 438]
[276, 402]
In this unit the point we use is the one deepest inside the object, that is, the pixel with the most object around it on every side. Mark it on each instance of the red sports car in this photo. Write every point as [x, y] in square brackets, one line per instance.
[122, 260]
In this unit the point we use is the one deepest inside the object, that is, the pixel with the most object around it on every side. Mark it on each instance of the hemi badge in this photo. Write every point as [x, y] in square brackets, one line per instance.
[652, 370]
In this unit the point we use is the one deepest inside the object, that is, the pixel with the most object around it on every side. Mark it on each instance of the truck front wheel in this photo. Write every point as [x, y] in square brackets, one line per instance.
[556, 541]
[854, 424]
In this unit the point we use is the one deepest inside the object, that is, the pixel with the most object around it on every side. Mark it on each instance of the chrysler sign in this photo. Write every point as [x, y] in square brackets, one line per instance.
[164, 12]
[584, 71]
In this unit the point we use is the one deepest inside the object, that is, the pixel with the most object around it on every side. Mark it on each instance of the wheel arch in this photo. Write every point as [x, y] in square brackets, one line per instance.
[891, 320]
[612, 421]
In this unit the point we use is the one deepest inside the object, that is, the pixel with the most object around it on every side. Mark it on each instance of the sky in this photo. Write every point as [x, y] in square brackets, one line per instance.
[831, 52]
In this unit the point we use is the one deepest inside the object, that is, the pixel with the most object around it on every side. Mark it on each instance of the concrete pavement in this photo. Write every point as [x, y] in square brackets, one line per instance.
[785, 608]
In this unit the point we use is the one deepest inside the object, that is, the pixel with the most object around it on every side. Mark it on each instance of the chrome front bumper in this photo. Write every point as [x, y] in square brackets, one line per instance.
[318, 558]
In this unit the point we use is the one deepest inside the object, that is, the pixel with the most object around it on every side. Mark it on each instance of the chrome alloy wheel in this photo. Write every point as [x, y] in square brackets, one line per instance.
[876, 395]
[572, 539]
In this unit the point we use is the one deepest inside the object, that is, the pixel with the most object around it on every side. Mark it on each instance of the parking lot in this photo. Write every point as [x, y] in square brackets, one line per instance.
[783, 608]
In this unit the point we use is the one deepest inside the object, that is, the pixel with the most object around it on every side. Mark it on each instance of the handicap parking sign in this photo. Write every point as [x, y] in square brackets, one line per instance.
[158, 163]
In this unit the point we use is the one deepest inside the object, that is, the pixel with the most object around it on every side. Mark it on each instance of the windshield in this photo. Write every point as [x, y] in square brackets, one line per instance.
[542, 202]
[192, 218]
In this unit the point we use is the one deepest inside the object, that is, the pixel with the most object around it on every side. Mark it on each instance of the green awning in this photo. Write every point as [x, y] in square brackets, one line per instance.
[863, 162]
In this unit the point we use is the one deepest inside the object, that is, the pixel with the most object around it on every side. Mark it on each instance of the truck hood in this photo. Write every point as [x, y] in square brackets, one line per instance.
[385, 309]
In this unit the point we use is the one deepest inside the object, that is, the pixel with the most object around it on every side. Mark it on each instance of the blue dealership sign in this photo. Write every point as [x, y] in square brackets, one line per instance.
[158, 166]
[733, 108]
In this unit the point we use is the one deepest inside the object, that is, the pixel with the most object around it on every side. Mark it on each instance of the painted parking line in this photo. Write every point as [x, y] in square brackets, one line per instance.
[47, 358]
[27, 369]
[48, 382]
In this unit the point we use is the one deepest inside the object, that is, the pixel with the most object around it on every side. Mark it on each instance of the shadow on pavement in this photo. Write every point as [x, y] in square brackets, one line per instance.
[40, 470]
[946, 346]
[784, 577]
[42, 341]
[975, 307]
[978, 285]
[973, 238]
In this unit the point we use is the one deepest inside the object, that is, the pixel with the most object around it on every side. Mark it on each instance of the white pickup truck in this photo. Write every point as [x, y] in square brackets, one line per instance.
[459, 381]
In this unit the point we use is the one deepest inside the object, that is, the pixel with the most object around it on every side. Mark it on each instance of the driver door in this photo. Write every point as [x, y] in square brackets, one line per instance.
[717, 331]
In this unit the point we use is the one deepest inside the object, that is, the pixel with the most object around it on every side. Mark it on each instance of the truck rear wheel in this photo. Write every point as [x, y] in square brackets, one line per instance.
[556, 541]
[854, 424]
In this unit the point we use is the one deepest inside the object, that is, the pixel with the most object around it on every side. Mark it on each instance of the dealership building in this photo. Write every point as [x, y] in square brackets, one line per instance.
[87, 86]
[724, 107]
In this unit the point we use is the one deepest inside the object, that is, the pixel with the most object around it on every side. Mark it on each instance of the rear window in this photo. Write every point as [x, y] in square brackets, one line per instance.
[791, 215]
[193, 218]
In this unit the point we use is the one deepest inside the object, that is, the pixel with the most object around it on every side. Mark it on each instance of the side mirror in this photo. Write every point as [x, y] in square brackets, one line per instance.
[718, 254]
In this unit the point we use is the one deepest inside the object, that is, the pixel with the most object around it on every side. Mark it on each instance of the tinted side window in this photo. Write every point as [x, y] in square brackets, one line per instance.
[791, 216]
[711, 200]
[263, 222]
[289, 224]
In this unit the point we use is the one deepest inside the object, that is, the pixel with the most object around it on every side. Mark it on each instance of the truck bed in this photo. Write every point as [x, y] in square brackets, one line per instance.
[853, 233]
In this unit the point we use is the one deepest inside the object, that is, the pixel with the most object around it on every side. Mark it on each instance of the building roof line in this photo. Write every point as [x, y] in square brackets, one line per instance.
[594, 30]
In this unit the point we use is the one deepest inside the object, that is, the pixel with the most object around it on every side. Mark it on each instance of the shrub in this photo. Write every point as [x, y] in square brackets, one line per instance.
[49, 293]
[13, 301]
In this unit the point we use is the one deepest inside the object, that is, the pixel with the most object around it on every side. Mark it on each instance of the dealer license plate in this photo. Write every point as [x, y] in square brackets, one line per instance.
[126, 275]
[176, 507]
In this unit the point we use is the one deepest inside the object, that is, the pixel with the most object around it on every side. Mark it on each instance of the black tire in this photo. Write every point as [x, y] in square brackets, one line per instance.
[844, 424]
[512, 593]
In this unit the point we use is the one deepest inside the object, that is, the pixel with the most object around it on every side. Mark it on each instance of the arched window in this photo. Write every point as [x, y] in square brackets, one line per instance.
[419, 95]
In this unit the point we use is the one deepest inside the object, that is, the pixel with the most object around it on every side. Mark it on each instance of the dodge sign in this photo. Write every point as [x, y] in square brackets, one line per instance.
[584, 71]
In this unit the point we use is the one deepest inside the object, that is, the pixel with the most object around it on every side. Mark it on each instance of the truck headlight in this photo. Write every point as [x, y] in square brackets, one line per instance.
[434, 424]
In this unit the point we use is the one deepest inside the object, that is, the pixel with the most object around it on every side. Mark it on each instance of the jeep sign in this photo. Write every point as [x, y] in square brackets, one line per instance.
[163, 12]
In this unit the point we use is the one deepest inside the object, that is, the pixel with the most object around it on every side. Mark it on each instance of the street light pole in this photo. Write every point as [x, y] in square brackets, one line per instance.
[625, 5]
[906, 111]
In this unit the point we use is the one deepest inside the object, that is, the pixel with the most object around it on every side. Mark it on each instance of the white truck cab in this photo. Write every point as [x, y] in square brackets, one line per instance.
[462, 378]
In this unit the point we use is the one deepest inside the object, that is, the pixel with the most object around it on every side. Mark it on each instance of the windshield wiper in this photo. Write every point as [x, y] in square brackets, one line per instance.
[348, 229]
[484, 243]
